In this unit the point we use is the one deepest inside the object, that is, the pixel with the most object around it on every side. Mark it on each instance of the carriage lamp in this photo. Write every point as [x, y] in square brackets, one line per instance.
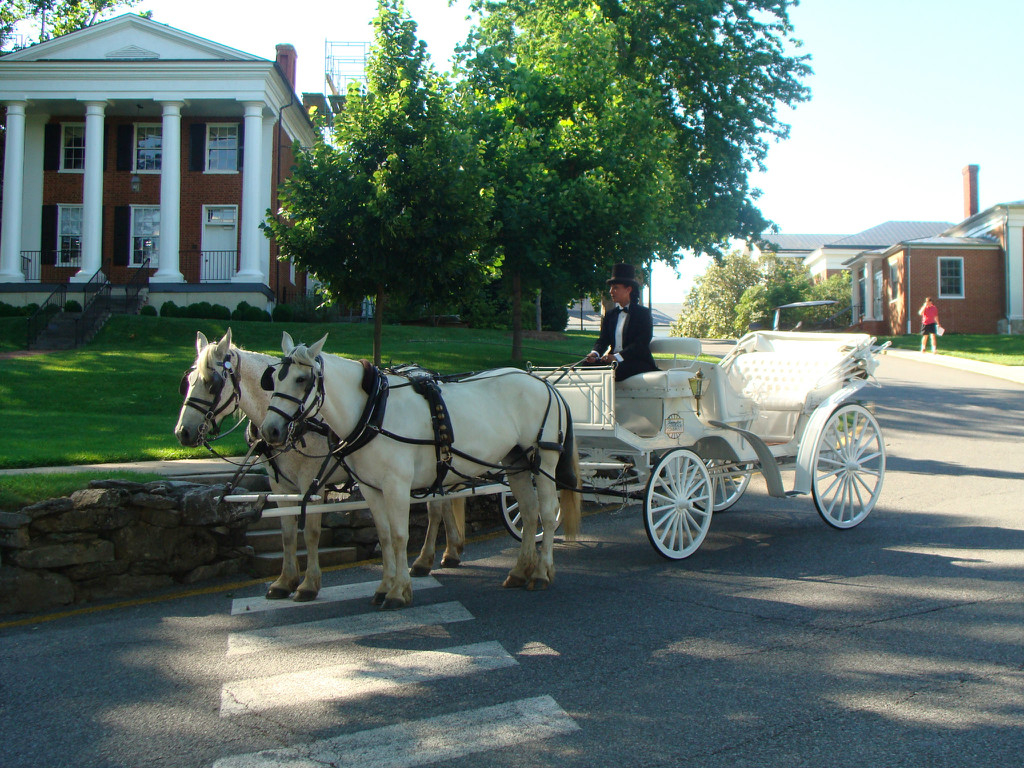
[697, 388]
[136, 183]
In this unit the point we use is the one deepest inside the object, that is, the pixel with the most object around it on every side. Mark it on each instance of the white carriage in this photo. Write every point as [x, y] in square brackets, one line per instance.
[686, 438]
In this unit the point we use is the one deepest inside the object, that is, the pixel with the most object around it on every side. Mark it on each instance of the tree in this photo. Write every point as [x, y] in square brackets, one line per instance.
[576, 156]
[709, 310]
[392, 206]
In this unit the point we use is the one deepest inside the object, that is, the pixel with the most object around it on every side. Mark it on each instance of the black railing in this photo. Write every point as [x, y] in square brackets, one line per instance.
[208, 266]
[41, 317]
[30, 261]
[94, 308]
[139, 281]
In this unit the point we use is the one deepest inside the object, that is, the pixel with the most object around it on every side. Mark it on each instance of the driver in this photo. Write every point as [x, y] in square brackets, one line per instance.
[627, 330]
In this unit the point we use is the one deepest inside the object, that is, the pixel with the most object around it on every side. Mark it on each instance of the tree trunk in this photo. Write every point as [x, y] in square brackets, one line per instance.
[517, 317]
[378, 325]
[539, 317]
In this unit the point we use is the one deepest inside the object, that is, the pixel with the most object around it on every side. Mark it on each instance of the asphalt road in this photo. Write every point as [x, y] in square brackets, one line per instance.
[781, 642]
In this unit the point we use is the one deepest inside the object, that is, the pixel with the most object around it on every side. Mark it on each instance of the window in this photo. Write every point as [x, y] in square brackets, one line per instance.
[951, 278]
[894, 279]
[148, 147]
[72, 156]
[221, 216]
[222, 148]
[145, 235]
[69, 236]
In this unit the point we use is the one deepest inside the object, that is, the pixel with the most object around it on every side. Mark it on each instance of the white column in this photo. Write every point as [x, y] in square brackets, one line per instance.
[170, 196]
[92, 195]
[869, 291]
[856, 314]
[14, 179]
[250, 270]
[1015, 270]
[266, 188]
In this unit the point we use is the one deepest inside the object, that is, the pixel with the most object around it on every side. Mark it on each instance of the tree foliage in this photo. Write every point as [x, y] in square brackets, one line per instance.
[741, 291]
[392, 206]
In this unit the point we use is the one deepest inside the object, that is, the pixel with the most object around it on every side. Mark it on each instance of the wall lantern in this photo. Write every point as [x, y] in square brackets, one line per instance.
[697, 388]
[136, 183]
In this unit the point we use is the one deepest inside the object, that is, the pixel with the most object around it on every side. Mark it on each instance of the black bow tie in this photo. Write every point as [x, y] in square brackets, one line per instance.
[623, 310]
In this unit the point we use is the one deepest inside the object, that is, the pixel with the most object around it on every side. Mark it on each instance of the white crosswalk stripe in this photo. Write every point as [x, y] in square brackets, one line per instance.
[363, 590]
[424, 741]
[360, 678]
[344, 628]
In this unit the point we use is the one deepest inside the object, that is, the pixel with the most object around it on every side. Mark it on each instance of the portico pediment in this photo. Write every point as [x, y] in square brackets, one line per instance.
[129, 37]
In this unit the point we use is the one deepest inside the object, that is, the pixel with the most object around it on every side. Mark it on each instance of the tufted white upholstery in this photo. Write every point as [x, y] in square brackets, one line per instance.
[786, 382]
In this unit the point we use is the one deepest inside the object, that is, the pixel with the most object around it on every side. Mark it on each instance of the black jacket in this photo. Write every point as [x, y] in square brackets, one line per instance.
[636, 341]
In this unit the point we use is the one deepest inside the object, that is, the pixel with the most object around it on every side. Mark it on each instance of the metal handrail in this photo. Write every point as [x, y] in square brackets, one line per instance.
[99, 303]
[134, 287]
[37, 321]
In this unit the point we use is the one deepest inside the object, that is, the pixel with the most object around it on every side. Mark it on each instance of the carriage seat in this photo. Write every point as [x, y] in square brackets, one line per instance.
[784, 381]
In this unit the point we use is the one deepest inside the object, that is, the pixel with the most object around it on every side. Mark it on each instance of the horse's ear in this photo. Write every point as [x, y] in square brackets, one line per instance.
[287, 345]
[201, 342]
[224, 345]
[315, 350]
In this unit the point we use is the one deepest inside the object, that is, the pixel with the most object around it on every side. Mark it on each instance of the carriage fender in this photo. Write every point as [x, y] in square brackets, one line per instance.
[812, 435]
[769, 467]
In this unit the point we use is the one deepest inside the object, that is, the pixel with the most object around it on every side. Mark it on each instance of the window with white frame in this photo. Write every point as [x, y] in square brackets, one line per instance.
[148, 147]
[951, 277]
[72, 143]
[69, 235]
[222, 147]
[894, 280]
[145, 235]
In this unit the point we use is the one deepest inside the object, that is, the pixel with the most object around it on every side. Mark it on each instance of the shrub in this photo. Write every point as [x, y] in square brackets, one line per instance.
[148, 311]
[72, 306]
[283, 313]
[9, 310]
[245, 311]
[169, 309]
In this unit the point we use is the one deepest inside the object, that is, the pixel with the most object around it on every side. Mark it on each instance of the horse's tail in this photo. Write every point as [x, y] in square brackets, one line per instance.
[567, 473]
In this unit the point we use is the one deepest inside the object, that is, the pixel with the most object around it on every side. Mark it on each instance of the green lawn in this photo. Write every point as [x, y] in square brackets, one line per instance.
[117, 398]
[1002, 350]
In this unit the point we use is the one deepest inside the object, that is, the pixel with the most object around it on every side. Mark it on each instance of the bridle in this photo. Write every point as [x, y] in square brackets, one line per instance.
[302, 416]
[212, 409]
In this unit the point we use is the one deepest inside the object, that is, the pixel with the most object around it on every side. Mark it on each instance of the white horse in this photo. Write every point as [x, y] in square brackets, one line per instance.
[504, 419]
[225, 378]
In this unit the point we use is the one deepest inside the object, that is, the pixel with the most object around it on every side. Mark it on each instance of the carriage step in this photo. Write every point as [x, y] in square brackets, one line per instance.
[269, 563]
[270, 540]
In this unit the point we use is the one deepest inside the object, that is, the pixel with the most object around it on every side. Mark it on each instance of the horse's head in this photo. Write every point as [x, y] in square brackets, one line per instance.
[210, 389]
[293, 381]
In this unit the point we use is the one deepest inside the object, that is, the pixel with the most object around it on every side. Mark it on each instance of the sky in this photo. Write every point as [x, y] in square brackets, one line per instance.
[904, 94]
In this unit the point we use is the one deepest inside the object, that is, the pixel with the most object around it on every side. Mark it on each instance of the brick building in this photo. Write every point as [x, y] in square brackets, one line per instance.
[137, 150]
[974, 270]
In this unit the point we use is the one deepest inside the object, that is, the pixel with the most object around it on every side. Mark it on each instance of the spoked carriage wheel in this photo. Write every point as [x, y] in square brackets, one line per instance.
[678, 504]
[849, 466]
[730, 482]
[513, 522]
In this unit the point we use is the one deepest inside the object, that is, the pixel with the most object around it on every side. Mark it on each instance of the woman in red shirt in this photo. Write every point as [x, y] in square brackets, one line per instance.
[930, 322]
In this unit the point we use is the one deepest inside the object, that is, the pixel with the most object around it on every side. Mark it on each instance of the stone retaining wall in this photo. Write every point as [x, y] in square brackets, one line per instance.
[119, 538]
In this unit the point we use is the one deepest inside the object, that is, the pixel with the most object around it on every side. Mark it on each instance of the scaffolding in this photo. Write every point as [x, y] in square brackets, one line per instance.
[344, 63]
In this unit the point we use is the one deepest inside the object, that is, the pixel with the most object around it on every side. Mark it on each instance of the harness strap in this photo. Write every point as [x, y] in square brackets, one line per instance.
[440, 419]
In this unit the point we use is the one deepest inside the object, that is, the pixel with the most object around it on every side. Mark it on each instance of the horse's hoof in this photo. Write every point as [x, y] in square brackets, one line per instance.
[450, 562]
[305, 595]
[277, 593]
[420, 570]
[378, 598]
[393, 604]
[514, 582]
[538, 584]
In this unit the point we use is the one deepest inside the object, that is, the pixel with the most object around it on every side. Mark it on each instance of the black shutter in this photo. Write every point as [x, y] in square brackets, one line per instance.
[48, 238]
[241, 145]
[125, 146]
[122, 235]
[197, 147]
[51, 147]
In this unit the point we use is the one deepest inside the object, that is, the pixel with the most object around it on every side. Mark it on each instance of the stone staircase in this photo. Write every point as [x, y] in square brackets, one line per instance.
[61, 332]
[264, 535]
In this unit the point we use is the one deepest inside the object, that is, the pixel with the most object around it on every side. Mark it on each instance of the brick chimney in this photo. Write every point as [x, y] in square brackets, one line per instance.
[286, 58]
[970, 190]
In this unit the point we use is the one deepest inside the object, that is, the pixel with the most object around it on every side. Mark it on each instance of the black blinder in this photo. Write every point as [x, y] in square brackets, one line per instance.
[183, 386]
[267, 381]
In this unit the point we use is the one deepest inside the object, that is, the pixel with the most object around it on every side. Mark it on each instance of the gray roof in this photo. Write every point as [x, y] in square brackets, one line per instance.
[889, 233]
[799, 242]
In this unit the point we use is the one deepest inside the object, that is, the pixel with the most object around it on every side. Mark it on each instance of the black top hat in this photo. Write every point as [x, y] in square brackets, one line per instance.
[624, 274]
